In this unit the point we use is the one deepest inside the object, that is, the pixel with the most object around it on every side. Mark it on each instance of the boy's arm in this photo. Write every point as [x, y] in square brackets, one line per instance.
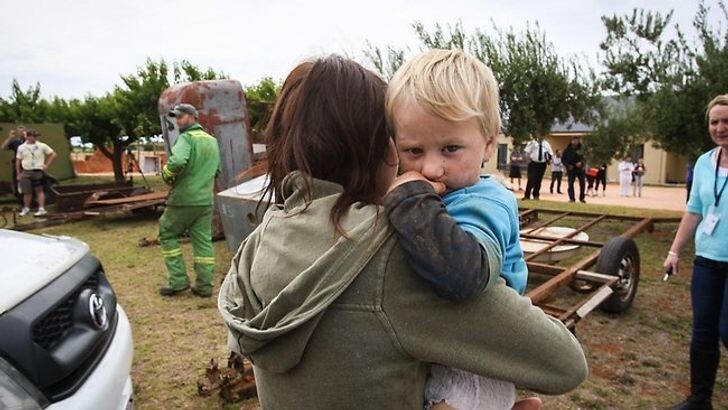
[454, 262]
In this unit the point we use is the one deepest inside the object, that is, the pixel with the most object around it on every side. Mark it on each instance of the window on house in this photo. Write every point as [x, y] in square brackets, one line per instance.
[638, 152]
[502, 156]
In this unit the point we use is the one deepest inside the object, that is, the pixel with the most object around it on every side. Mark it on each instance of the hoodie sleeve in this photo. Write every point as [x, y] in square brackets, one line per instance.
[499, 335]
[234, 302]
[455, 262]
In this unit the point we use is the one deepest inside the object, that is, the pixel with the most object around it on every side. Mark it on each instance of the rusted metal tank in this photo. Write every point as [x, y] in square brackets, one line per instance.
[223, 113]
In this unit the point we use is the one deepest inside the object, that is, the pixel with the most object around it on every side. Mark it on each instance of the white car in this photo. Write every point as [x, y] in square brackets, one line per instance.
[64, 341]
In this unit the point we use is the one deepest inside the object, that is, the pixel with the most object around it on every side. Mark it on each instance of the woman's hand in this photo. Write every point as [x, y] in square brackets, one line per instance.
[671, 262]
[410, 176]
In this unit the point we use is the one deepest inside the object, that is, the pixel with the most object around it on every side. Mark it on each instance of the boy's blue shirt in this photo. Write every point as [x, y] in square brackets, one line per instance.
[490, 212]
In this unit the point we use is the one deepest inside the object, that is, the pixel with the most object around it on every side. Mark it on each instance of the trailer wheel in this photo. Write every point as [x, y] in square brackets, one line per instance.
[620, 257]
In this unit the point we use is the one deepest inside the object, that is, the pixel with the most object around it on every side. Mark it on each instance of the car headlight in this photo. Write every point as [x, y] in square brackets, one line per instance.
[16, 392]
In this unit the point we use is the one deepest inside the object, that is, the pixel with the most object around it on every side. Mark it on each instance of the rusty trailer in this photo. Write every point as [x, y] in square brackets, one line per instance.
[598, 273]
[71, 198]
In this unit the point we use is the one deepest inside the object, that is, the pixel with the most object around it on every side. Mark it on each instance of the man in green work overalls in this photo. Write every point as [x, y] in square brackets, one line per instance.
[191, 170]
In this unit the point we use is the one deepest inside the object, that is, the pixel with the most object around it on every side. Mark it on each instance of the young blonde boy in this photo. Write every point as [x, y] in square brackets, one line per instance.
[443, 109]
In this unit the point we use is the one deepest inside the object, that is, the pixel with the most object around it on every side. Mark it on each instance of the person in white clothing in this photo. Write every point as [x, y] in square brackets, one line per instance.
[32, 161]
[626, 166]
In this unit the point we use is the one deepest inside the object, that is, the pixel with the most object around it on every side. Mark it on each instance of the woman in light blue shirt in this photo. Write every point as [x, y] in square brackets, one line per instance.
[706, 219]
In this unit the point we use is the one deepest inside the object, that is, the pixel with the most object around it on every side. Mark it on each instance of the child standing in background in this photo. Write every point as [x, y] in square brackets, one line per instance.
[625, 175]
[443, 109]
[638, 173]
[591, 177]
[601, 179]
[557, 172]
[515, 168]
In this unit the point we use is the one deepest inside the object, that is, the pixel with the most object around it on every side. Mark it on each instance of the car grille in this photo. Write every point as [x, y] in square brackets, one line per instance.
[50, 330]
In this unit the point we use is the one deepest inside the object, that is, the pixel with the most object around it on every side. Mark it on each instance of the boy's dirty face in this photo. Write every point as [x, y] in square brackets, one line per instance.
[441, 150]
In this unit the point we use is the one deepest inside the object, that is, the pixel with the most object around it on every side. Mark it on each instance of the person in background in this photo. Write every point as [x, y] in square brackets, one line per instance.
[573, 160]
[191, 170]
[539, 153]
[557, 172]
[706, 219]
[626, 166]
[601, 180]
[15, 139]
[688, 179]
[591, 177]
[515, 166]
[32, 161]
[638, 173]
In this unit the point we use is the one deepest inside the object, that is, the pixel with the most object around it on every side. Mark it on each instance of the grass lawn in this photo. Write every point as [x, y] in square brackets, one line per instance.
[637, 360]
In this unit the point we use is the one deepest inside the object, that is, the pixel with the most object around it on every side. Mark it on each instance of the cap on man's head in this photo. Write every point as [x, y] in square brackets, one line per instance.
[180, 109]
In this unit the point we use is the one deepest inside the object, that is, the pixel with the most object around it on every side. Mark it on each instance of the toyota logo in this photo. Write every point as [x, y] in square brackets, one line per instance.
[97, 310]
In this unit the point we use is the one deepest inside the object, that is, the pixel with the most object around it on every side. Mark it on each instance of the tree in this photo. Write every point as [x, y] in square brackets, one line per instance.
[134, 106]
[672, 78]
[114, 120]
[260, 98]
[618, 133]
[22, 105]
[537, 87]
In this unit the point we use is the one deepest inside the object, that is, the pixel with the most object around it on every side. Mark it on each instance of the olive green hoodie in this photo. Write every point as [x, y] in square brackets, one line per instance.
[337, 323]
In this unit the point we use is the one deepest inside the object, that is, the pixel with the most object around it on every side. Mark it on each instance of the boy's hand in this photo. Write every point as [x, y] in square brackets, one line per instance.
[410, 176]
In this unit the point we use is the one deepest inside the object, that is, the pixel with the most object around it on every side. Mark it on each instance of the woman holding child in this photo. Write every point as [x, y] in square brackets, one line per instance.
[343, 303]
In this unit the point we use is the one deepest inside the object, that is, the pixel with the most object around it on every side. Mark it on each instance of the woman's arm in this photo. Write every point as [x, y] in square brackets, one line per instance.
[685, 231]
[502, 336]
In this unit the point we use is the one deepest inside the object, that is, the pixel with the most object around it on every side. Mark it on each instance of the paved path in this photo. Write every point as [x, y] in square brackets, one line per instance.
[653, 197]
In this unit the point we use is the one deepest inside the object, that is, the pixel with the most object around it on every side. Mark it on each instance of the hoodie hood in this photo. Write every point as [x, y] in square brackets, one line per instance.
[271, 313]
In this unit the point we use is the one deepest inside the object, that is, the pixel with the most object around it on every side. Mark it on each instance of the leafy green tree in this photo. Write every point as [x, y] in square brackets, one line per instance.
[537, 86]
[134, 106]
[260, 98]
[114, 120]
[22, 105]
[618, 134]
[648, 56]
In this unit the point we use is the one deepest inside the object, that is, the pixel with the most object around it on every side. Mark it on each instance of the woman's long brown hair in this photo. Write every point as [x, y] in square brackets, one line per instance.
[329, 123]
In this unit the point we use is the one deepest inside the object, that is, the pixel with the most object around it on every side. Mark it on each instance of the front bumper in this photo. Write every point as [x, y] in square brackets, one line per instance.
[109, 385]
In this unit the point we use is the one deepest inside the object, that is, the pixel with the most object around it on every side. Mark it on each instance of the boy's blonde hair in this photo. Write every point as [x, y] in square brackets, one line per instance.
[721, 99]
[450, 84]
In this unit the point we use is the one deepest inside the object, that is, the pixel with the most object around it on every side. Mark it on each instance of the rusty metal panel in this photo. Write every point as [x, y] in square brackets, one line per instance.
[223, 113]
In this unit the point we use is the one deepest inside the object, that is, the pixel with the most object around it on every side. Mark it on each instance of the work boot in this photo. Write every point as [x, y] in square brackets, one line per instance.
[201, 293]
[693, 404]
[170, 291]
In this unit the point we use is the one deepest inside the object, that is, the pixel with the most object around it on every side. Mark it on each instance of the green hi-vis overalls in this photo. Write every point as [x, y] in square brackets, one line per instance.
[191, 170]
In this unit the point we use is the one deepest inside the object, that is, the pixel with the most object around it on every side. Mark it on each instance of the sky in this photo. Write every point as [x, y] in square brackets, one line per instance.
[78, 47]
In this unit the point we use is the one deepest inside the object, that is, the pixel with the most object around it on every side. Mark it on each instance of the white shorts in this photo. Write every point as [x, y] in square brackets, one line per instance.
[467, 391]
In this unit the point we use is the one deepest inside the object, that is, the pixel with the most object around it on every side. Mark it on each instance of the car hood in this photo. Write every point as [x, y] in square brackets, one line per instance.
[30, 262]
